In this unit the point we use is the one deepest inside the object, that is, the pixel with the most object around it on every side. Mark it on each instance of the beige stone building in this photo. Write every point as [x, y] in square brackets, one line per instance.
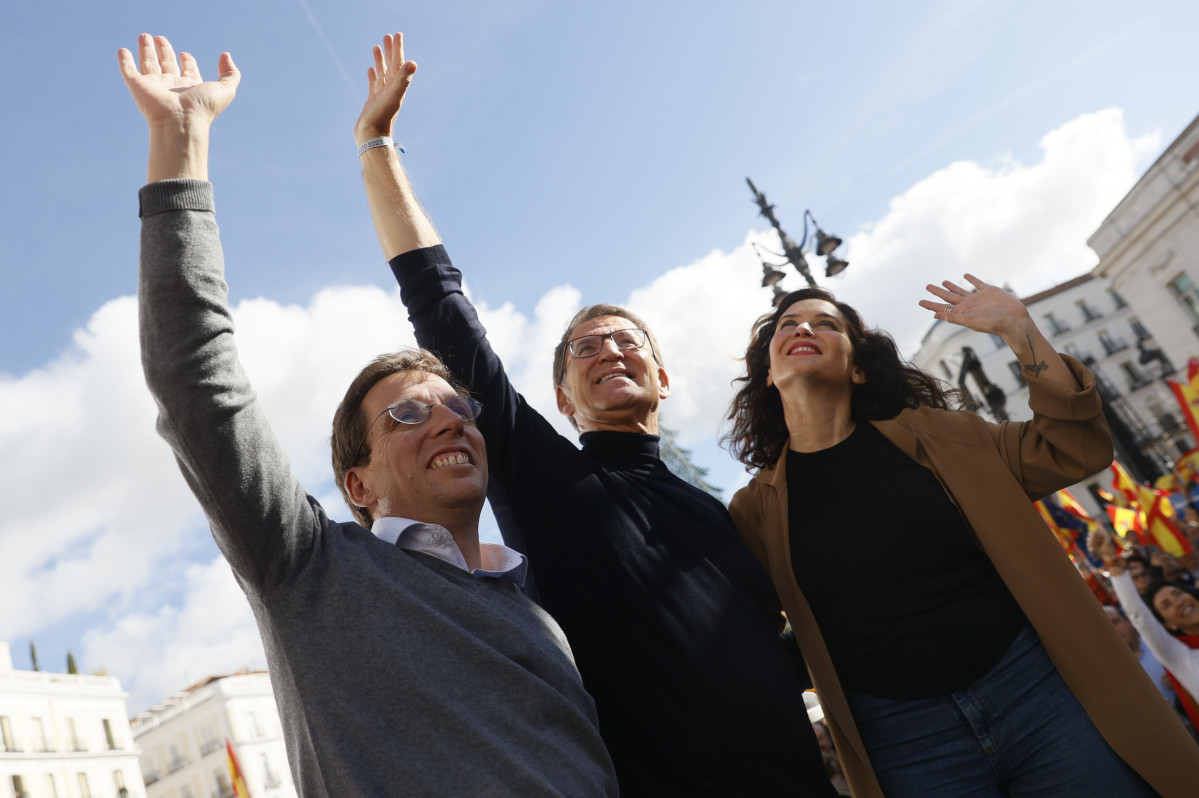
[182, 740]
[1148, 248]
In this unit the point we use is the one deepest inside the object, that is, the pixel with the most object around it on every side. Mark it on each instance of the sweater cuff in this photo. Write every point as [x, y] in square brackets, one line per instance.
[175, 195]
[415, 260]
[1051, 400]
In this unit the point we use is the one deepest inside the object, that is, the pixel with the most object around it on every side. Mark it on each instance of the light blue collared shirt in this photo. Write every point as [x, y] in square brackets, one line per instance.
[499, 561]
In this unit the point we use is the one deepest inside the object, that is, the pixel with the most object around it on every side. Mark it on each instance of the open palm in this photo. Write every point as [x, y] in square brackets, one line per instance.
[167, 89]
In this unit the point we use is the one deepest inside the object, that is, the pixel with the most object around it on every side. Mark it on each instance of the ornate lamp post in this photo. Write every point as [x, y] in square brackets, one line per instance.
[823, 245]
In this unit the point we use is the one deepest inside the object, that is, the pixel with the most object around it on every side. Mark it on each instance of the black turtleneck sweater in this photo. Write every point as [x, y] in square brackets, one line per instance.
[668, 613]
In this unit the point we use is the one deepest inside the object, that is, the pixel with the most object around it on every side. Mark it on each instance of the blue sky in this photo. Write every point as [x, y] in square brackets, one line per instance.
[568, 154]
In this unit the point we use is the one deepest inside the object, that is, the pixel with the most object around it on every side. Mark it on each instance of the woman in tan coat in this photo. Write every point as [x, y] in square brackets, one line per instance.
[954, 647]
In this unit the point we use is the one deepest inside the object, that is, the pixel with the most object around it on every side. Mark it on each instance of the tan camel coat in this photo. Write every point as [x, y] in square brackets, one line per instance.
[992, 473]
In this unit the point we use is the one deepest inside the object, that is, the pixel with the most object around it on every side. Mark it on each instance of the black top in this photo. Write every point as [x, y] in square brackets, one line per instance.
[909, 605]
[668, 613]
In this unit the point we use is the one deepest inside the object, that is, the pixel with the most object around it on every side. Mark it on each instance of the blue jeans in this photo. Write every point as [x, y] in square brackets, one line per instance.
[1017, 731]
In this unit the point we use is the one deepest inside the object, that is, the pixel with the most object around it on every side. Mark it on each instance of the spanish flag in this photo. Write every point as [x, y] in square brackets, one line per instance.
[1124, 485]
[1187, 395]
[1127, 522]
[1187, 468]
[240, 790]
[1157, 516]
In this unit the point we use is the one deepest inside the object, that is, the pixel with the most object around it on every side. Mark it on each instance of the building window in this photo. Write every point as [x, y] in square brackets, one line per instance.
[1117, 299]
[108, 738]
[255, 729]
[18, 787]
[84, 790]
[185, 792]
[1111, 344]
[1139, 330]
[223, 788]
[1088, 313]
[269, 777]
[1055, 326]
[51, 786]
[1017, 370]
[1135, 378]
[945, 370]
[10, 743]
[175, 760]
[208, 741]
[1187, 293]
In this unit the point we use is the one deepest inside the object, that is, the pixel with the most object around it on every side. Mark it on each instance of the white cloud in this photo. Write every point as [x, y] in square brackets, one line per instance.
[97, 516]
[157, 651]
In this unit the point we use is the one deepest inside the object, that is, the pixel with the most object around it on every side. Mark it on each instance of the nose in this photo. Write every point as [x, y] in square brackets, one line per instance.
[610, 351]
[442, 419]
[806, 328]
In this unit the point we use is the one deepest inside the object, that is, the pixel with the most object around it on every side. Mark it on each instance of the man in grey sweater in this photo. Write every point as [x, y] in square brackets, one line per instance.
[405, 658]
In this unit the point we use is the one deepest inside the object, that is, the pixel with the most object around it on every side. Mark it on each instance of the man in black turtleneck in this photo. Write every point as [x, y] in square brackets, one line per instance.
[669, 615]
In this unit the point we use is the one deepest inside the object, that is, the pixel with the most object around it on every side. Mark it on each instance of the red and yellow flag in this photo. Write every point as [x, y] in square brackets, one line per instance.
[1126, 521]
[1124, 485]
[1187, 467]
[240, 790]
[1187, 395]
[1157, 516]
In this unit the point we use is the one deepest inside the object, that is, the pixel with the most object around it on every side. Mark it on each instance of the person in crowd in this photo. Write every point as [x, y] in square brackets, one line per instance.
[670, 617]
[1141, 571]
[1165, 615]
[404, 657]
[1149, 661]
[980, 668]
[1172, 570]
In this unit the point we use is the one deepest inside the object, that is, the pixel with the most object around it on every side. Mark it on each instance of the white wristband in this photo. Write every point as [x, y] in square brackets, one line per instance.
[381, 141]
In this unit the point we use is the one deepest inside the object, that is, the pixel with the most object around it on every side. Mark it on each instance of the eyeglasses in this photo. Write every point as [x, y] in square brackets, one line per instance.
[590, 345]
[413, 412]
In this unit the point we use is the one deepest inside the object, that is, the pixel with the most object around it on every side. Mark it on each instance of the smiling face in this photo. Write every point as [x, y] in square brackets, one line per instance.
[617, 389]
[435, 471]
[811, 345]
[1178, 609]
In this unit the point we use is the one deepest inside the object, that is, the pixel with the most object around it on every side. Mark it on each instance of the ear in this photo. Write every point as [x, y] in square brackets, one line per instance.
[858, 377]
[565, 406]
[769, 379]
[361, 494]
[663, 384]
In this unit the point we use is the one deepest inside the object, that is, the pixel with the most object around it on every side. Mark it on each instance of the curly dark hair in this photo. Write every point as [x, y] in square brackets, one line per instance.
[1156, 586]
[759, 430]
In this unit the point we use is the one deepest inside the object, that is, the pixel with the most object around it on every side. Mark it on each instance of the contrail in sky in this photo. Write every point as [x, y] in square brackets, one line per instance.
[354, 92]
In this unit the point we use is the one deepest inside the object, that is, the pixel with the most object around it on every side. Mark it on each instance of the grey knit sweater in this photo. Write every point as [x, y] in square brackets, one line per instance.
[395, 673]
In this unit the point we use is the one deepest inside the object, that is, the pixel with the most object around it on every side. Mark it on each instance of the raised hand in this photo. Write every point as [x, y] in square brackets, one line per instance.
[987, 309]
[990, 309]
[387, 82]
[171, 91]
[178, 104]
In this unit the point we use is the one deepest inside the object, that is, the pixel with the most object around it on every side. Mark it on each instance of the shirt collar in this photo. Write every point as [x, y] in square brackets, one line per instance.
[498, 560]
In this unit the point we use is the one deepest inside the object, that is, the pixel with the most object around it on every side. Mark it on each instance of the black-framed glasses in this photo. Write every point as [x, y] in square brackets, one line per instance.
[590, 345]
[414, 411]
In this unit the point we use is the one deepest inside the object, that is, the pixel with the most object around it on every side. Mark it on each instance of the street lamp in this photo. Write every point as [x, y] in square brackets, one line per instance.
[823, 246]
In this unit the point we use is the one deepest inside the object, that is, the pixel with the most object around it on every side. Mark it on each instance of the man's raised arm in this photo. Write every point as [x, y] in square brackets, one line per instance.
[399, 219]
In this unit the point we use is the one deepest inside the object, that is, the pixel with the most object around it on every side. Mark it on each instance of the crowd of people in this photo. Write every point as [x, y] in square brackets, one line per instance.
[628, 636]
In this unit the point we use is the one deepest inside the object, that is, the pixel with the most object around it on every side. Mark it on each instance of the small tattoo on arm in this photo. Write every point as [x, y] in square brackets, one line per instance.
[1034, 368]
